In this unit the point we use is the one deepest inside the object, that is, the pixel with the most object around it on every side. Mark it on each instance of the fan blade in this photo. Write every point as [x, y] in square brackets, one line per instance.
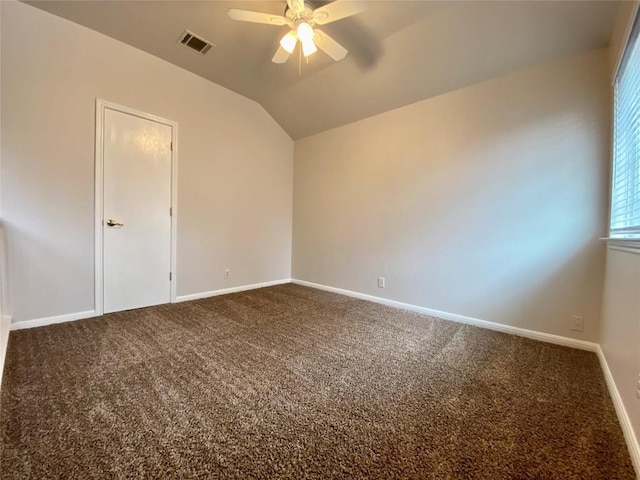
[334, 11]
[281, 56]
[329, 46]
[296, 5]
[257, 17]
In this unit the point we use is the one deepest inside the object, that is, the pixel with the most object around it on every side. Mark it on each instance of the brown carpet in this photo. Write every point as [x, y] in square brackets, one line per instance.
[292, 382]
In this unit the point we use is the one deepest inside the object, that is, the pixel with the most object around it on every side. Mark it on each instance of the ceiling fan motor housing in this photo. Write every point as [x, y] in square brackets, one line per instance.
[305, 15]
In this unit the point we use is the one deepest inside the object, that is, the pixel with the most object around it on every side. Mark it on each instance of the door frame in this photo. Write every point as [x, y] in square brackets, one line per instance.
[101, 106]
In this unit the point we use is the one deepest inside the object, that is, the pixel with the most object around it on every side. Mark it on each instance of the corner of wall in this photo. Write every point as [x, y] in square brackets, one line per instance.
[622, 29]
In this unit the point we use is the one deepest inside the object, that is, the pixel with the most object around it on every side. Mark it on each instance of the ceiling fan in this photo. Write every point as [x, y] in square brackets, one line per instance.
[302, 19]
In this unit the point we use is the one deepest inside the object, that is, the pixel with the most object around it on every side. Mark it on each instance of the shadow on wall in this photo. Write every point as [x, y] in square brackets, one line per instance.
[530, 231]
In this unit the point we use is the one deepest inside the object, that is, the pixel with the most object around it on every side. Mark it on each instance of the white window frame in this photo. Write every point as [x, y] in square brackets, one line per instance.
[632, 35]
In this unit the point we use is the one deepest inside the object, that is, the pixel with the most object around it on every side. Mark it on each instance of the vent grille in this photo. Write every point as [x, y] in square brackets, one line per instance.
[195, 42]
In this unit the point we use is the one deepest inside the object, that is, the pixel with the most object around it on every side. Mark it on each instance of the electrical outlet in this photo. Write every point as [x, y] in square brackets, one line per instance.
[227, 273]
[577, 323]
[380, 282]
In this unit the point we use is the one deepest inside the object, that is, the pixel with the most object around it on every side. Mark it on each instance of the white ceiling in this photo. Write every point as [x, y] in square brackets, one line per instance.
[400, 52]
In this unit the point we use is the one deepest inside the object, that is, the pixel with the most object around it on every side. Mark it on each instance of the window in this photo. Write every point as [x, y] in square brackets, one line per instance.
[625, 193]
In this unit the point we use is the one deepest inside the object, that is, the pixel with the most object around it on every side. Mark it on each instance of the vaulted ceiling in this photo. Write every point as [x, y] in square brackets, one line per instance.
[400, 52]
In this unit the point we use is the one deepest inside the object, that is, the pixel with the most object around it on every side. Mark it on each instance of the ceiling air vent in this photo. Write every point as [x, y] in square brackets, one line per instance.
[195, 42]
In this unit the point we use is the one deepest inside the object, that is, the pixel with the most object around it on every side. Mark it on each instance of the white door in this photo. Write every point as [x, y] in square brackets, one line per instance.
[136, 212]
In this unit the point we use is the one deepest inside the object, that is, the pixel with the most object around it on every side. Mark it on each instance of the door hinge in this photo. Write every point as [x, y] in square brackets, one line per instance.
[171, 146]
[170, 275]
[170, 212]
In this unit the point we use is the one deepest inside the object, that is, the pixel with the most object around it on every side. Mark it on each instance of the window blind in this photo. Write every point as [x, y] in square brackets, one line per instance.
[625, 194]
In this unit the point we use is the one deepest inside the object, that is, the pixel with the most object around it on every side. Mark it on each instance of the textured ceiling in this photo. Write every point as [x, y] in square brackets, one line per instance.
[400, 52]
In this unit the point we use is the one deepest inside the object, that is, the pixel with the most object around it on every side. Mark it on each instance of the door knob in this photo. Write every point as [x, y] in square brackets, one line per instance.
[113, 223]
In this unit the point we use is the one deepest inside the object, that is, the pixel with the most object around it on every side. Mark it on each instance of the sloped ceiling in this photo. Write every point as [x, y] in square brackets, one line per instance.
[400, 52]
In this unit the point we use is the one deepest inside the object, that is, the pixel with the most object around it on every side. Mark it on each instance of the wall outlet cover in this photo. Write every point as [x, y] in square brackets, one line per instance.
[577, 323]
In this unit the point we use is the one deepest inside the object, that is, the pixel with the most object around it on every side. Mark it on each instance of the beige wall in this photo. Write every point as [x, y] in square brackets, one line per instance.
[620, 334]
[235, 165]
[486, 202]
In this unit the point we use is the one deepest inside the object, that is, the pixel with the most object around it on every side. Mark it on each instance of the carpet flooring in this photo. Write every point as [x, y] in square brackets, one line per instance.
[292, 382]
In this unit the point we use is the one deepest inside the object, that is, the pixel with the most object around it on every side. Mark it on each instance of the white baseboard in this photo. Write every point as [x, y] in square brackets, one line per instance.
[224, 291]
[621, 411]
[41, 322]
[521, 332]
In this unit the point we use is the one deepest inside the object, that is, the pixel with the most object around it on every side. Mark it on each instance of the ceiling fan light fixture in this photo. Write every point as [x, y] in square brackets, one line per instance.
[301, 19]
[305, 32]
[308, 48]
[289, 41]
